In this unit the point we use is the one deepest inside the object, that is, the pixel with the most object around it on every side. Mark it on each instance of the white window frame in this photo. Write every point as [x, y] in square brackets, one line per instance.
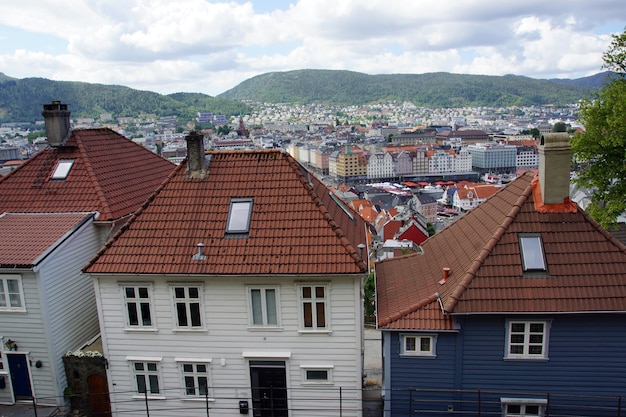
[240, 210]
[188, 302]
[418, 351]
[4, 292]
[195, 374]
[137, 300]
[541, 403]
[264, 310]
[146, 373]
[314, 301]
[306, 376]
[529, 336]
[532, 253]
[62, 169]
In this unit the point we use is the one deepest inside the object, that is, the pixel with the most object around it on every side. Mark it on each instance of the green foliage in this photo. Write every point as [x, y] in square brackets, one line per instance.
[559, 127]
[23, 99]
[601, 148]
[426, 90]
[431, 229]
[369, 299]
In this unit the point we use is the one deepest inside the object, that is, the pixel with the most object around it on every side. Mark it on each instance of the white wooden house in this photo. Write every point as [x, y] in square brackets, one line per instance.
[237, 286]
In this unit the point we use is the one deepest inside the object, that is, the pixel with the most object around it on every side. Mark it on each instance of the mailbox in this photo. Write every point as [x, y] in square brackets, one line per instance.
[243, 407]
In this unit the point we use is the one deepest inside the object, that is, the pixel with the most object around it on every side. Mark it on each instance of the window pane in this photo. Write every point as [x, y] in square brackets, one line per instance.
[536, 338]
[517, 350]
[319, 292]
[425, 344]
[517, 338]
[532, 252]
[535, 350]
[321, 315]
[536, 327]
[239, 216]
[532, 410]
[130, 292]
[139, 366]
[133, 319]
[513, 409]
[152, 367]
[317, 375]
[257, 313]
[306, 292]
[3, 301]
[154, 384]
[141, 383]
[179, 292]
[308, 315]
[518, 327]
[195, 315]
[270, 303]
[203, 383]
[193, 292]
[15, 300]
[201, 368]
[187, 367]
[143, 292]
[189, 385]
[145, 314]
[181, 312]
[409, 344]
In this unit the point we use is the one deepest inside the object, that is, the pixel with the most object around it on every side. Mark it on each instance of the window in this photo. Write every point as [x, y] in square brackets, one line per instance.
[188, 306]
[527, 339]
[523, 407]
[531, 249]
[316, 374]
[11, 293]
[146, 375]
[239, 215]
[420, 345]
[314, 305]
[263, 306]
[62, 169]
[195, 378]
[138, 306]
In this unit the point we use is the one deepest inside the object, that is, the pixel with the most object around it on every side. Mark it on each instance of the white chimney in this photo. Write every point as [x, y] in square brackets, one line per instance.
[555, 158]
[57, 120]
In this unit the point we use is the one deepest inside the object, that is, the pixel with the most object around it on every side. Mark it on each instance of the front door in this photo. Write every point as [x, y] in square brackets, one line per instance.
[20, 379]
[269, 388]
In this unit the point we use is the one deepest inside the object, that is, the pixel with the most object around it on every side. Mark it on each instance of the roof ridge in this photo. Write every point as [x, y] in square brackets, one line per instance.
[343, 240]
[469, 275]
[92, 176]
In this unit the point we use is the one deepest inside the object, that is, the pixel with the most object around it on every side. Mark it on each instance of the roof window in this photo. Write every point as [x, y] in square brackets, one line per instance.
[531, 250]
[239, 215]
[62, 169]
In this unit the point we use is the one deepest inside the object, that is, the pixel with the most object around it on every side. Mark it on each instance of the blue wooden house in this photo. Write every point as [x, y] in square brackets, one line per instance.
[516, 309]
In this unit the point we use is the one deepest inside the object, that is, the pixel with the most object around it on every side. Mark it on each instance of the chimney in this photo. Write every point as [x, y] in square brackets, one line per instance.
[446, 274]
[197, 166]
[57, 119]
[555, 154]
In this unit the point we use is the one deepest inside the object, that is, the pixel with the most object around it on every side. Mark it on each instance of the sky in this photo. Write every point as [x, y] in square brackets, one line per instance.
[211, 46]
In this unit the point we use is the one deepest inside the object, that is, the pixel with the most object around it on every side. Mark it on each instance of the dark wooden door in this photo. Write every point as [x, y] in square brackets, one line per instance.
[99, 401]
[269, 389]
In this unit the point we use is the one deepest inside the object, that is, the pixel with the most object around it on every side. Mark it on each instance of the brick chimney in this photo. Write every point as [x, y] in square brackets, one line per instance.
[197, 165]
[57, 119]
[555, 155]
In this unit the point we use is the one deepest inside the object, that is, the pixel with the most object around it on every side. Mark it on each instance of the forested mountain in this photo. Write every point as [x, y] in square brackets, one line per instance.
[429, 90]
[23, 99]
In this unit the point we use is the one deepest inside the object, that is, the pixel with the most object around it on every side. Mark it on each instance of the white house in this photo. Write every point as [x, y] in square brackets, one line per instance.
[236, 287]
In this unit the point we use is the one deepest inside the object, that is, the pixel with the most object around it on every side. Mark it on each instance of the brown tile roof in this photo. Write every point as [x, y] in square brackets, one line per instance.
[25, 237]
[296, 227]
[111, 174]
[586, 265]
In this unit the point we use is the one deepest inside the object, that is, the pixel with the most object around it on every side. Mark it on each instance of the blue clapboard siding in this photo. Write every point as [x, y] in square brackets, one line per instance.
[586, 366]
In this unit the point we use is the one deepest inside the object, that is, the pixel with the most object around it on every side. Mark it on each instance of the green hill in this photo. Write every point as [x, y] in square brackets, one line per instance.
[428, 90]
[23, 99]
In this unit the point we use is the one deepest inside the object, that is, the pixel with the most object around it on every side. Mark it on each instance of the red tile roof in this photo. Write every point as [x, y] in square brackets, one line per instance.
[26, 237]
[296, 227]
[586, 265]
[111, 174]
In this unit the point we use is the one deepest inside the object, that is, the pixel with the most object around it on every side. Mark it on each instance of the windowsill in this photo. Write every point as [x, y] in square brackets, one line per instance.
[141, 330]
[315, 331]
[417, 355]
[12, 310]
[198, 399]
[321, 383]
[179, 330]
[265, 329]
[150, 397]
[526, 358]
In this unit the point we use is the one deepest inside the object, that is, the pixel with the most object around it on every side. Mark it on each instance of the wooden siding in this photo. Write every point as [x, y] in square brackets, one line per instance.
[71, 316]
[227, 337]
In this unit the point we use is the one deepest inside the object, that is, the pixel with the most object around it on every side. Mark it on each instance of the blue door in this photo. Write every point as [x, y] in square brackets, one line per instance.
[20, 380]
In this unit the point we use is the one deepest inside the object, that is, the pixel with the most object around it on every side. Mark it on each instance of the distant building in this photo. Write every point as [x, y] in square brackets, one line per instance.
[493, 157]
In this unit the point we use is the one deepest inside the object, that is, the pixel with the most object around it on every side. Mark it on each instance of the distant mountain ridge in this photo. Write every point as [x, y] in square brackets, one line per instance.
[439, 89]
[22, 99]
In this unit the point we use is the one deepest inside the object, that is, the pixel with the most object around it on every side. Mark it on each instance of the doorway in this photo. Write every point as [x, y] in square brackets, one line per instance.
[269, 389]
[20, 377]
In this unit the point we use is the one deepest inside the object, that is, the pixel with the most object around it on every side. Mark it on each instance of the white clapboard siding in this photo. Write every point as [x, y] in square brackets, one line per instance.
[227, 337]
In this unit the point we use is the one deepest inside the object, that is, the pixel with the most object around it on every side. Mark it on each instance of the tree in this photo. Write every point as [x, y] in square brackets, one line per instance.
[560, 127]
[601, 148]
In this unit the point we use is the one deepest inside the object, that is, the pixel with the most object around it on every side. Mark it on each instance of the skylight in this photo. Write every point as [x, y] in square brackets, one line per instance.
[531, 249]
[62, 169]
[239, 215]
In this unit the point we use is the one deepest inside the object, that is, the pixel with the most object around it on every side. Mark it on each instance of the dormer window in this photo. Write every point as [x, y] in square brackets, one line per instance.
[531, 250]
[239, 215]
[62, 169]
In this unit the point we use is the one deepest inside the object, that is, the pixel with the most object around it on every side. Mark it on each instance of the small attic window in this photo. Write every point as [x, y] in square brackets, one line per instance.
[62, 169]
[239, 215]
[531, 249]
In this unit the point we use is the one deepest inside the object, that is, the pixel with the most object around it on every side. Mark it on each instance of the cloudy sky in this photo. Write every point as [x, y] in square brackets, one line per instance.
[211, 46]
